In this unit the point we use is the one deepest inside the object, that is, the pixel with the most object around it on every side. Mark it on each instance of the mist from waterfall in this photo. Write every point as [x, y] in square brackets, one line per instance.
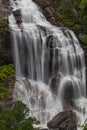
[49, 62]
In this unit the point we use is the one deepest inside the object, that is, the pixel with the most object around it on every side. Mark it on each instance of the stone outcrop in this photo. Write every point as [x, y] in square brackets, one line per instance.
[52, 13]
[17, 14]
[5, 9]
[49, 12]
[65, 120]
[5, 46]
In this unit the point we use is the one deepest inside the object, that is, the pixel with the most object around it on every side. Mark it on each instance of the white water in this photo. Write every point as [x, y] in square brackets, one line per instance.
[49, 62]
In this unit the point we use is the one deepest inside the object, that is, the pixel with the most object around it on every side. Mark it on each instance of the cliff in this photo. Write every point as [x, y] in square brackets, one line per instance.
[68, 13]
[6, 60]
[62, 13]
[5, 45]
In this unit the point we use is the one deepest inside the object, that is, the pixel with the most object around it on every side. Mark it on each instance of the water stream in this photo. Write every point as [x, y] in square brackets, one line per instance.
[49, 62]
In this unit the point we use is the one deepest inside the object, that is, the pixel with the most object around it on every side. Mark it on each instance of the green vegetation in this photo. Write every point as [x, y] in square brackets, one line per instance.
[71, 14]
[6, 79]
[15, 118]
[3, 28]
[85, 127]
[83, 14]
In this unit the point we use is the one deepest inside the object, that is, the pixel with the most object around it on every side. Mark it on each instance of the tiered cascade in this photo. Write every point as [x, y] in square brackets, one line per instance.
[49, 62]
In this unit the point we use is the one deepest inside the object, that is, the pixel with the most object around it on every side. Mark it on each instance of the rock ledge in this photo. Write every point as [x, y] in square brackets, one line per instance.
[65, 120]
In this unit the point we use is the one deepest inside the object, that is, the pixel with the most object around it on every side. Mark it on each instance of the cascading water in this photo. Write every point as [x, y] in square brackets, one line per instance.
[49, 62]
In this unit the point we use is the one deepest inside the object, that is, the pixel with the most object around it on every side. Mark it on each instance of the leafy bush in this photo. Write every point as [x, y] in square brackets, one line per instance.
[15, 118]
[83, 15]
[83, 4]
[6, 79]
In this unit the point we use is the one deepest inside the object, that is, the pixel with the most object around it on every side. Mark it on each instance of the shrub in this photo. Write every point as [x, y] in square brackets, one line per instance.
[15, 118]
[6, 79]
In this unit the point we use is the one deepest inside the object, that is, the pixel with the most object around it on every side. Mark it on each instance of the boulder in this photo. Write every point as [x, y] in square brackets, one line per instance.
[17, 12]
[65, 120]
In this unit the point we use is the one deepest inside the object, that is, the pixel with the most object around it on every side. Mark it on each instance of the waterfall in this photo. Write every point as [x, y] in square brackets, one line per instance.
[49, 62]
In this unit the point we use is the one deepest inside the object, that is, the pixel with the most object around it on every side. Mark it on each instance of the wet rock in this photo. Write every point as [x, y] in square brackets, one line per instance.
[68, 95]
[6, 104]
[55, 80]
[17, 14]
[65, 120]
[68, 91]
[43, 4]
[49, 11]
[9, 102]
[51, 42]
[51, 15]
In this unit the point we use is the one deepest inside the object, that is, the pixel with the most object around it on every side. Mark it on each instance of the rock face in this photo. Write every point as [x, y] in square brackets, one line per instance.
[5, 45]
[5, 9]
[65, 120]
[54, 9]
[5, 49]
[49, 12]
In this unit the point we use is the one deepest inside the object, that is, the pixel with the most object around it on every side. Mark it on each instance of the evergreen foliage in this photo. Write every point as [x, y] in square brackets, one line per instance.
[15, 118]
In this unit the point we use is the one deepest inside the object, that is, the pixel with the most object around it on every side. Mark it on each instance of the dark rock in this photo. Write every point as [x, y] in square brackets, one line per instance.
[51, 42]
[65, 120]
[17, 14]
[5, 47]
[19, 20]
[9, 102]
[6, 104]
[49, 11]
[43, 4]
[6, 2]
[55, 80]
[5, 9]
[51, 16]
